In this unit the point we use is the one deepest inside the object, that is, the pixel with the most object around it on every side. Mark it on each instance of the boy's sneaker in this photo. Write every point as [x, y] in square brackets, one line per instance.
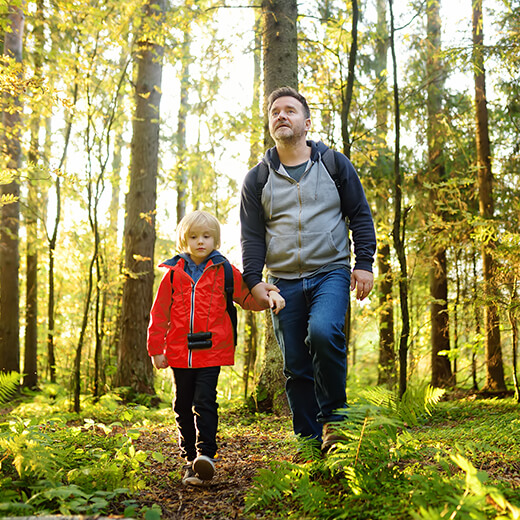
[190, 478]
[204, 467]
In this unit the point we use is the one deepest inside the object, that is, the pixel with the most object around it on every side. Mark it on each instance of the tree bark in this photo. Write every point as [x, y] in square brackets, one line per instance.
[347, 92]
[182, 152]
[387, 364]
[280, 50]
[134, 367]
[251, 343]
[399, 225]
[10, 212]
[494, 366]
[440, 332]
[280, 60]
[30, 370]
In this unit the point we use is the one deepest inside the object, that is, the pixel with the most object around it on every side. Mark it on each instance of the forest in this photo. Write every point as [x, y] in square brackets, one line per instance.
[119, 118]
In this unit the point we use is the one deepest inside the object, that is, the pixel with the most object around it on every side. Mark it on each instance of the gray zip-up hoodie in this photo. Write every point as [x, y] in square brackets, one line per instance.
[297, 228]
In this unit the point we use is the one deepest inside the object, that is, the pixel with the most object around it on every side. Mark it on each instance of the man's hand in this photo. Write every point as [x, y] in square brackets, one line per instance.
[363, 282]
[160, 361]
[260, 293]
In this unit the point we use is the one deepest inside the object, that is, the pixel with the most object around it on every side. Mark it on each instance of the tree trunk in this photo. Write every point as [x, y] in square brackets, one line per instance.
[387, 365]
[182, 152]
[251, 344]
[513, 320]
[134, 367]
[30, 370]
[494, 366]
[53, 239]
[387, 368]
[250, 350]
[399, 227]
[280, 50]
[269, 395]
[10, 212]
[347, 92]
[280, 53]
[346, 101]
[440, 333]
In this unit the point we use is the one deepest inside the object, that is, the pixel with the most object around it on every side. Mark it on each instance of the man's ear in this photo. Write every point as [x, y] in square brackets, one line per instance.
[308, 124]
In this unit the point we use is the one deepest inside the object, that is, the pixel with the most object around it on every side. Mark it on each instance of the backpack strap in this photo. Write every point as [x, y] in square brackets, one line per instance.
[261, 178]
[329, 160]
[230, 306]
[172, 262]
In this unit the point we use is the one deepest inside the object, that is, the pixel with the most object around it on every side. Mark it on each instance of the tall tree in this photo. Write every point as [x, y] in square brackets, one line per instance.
[494, 365]
[251, 329]
[347, 93]
[399, 222]
[10, 213]
[280, 65]
[440, 333]
[182, 115]
[280, 50]
[30, 369]
[134, 369]
[348, 90]
[386, 365]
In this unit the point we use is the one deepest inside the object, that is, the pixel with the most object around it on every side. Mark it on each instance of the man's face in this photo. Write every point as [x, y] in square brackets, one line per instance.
[287, 121]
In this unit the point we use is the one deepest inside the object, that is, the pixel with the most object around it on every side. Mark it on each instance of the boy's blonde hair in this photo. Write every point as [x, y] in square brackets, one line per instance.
[198, 219]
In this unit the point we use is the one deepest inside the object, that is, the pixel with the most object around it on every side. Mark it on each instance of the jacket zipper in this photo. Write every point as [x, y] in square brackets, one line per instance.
[192, 310]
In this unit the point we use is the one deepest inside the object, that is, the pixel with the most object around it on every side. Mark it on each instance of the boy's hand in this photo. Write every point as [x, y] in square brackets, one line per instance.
[160, 361]
[260, 293]
[277, 302]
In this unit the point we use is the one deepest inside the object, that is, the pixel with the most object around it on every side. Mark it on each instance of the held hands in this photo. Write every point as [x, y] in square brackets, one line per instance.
[363, 282]
[277, 301]
[159, 361]
[267, 295]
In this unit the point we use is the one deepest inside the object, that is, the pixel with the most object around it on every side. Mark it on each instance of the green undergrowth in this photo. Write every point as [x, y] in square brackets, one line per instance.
[417, 459]
[421, 458]
[53, 461]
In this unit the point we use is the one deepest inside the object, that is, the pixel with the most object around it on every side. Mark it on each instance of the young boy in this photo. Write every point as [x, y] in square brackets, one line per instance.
[190, 330]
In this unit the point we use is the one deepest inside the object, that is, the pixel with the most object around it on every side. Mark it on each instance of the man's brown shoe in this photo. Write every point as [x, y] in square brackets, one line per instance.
[332, 435]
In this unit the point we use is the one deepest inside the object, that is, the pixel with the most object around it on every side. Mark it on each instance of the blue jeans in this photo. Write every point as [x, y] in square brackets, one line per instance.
[196, 410]
[311, 333]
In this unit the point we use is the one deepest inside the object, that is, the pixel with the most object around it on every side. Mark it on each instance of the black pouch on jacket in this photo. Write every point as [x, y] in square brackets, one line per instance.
[199, 340]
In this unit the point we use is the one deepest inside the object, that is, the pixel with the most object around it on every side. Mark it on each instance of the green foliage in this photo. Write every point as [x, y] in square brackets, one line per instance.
[8, 385]
[52, 464]
[467, 497]
[387, 469]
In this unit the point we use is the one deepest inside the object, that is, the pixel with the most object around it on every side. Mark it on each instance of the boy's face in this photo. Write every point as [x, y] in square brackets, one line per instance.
[200, 243]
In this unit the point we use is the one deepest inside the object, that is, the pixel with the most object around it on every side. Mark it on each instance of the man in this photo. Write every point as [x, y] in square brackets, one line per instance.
[295, 225]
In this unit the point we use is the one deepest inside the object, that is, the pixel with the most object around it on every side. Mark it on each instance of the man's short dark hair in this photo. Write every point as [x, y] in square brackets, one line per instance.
[288, 91]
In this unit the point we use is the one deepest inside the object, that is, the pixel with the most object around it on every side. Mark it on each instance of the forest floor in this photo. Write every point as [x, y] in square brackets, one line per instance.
[246, 445]
[242, 452]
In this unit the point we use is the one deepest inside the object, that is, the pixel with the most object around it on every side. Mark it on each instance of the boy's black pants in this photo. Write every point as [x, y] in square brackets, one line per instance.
[196, 410]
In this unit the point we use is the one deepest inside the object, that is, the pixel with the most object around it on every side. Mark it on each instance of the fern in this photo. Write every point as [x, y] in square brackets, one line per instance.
[416, 403]
[9, 383]
[467, 497]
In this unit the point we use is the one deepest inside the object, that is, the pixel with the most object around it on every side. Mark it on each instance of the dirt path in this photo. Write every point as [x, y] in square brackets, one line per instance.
[239, 458]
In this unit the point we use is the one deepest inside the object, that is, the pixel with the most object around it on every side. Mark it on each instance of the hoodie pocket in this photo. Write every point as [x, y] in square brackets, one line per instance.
[318, 249]
[283, 253]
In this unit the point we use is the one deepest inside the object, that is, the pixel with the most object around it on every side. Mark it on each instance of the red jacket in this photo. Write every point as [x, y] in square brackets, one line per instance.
[195, 307]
